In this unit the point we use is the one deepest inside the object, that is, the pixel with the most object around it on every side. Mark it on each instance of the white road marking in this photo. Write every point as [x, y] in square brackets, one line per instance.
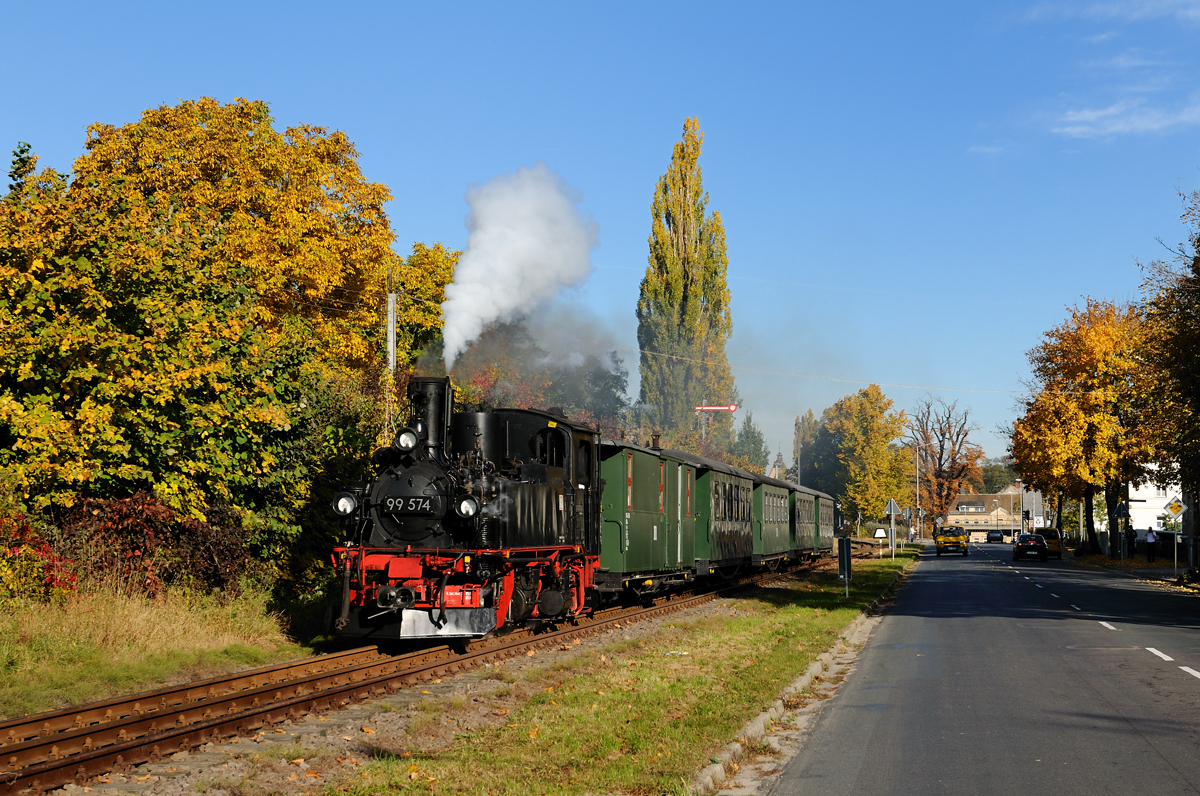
[1040, 586]
[1076, 607]
[1052, 594]
[1190, 671]
[1106, 624]
[1162, 655]
[1026, 577]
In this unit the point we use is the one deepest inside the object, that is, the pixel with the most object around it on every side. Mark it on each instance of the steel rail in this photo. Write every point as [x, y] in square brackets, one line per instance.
[89, 746]
[42, 725]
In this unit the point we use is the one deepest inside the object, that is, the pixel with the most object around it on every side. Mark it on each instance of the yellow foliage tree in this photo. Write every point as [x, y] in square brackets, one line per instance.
[863, 430]
[189, 312]
[1082, 429]
[289, 212]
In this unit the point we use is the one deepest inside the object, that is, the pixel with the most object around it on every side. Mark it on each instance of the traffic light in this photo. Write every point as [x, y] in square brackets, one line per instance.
[1027, 515]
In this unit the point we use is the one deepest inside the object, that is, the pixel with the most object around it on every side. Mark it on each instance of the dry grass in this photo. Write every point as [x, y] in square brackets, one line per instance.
[103, 643]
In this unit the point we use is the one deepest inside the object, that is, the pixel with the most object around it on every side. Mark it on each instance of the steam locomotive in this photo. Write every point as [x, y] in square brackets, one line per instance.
[483, 520]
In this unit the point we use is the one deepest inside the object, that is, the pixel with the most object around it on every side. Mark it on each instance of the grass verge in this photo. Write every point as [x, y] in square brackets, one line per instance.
[103, 643]
[642, 716]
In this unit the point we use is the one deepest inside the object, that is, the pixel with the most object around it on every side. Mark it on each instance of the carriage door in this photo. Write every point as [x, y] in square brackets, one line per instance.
[678, 515]
[585, 495]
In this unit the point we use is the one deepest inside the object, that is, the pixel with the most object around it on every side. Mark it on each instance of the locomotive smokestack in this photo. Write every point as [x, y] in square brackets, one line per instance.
[432, 401]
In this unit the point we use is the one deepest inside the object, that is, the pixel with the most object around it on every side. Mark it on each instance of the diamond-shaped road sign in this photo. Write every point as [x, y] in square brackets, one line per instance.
[892, 508]
[1175, 507]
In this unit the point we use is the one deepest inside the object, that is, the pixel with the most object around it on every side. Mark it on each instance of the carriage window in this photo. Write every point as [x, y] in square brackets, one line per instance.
[629, 481]
[689, 493]
[662, 470]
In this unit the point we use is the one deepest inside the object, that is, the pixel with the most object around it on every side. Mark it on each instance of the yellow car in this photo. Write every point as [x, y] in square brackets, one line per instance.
[1054, 544]
[951, 539]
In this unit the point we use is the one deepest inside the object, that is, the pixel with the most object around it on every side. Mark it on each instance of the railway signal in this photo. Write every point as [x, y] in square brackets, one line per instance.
[731, 408]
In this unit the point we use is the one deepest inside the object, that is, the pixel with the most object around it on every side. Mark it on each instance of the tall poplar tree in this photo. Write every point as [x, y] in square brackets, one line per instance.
[683, 311]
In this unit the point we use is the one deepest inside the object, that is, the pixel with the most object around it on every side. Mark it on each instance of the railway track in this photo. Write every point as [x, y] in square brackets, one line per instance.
[46, 751]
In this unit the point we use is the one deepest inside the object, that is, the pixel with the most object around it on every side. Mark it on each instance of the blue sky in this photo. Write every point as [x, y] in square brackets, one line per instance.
[912, 193]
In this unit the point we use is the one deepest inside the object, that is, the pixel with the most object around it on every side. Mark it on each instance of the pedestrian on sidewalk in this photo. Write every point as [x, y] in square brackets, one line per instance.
[1130, 541]
[1151, 543]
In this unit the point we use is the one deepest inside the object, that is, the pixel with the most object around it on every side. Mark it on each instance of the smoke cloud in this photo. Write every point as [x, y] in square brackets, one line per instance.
[527, 242]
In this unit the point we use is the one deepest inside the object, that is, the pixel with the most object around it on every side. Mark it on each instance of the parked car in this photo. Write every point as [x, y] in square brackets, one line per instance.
[1054, 542]
[995, 536]
[1029, 544]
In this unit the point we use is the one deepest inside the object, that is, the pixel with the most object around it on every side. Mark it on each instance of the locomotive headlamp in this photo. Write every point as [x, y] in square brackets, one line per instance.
[467, 506]
[407, 439]
[345, 504]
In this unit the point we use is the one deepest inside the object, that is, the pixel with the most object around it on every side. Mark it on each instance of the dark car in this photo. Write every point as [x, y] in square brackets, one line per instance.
[1030, 544]
[995, 536]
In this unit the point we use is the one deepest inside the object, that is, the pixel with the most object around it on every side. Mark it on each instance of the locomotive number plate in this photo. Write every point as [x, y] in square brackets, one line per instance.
[406, 505]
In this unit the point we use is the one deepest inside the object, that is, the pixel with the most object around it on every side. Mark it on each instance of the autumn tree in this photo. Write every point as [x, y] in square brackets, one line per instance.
[864, 431]
[1172, 352]
[186, 314]
[939, 438]
[1083, 428]
[683, 313]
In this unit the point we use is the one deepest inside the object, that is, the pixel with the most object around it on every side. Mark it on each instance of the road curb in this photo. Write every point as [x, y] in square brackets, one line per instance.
[852, 638]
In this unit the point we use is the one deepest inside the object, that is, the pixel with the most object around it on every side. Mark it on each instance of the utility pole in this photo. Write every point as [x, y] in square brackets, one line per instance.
[390, 377]
[917, 470]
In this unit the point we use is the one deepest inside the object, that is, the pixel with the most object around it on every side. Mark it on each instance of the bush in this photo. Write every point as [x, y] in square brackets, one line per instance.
[141, 546]
[29, 568]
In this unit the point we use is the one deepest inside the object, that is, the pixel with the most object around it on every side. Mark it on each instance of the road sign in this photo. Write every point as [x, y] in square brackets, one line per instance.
[880, 533]
[892, 508]
[1122, 512]
[907, 514]
[1175, 507]
[1039, 521]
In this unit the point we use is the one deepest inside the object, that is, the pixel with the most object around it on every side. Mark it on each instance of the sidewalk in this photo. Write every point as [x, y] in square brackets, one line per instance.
[1162, 572]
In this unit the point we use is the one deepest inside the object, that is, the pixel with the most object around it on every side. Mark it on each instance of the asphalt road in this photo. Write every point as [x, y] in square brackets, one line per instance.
[994, 677]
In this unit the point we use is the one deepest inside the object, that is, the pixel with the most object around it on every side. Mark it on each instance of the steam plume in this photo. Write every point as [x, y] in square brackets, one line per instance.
[527, 241]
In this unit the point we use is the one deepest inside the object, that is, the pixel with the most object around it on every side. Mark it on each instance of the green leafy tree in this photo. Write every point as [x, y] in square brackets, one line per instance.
[752, 445]
[997, 473]
[24, 163]
[804, 439]
[684, 319]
